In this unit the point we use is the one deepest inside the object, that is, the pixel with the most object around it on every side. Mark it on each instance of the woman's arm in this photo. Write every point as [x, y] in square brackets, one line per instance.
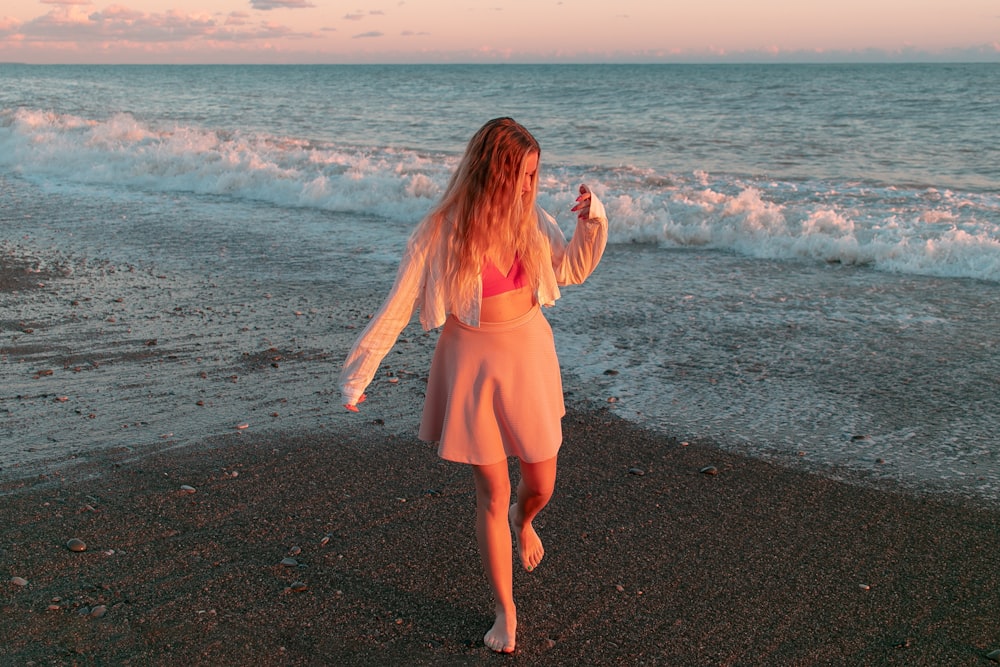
[574, 262]
[383, 330]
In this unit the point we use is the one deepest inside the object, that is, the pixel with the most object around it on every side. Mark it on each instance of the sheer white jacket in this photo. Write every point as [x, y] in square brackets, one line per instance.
[420, 285]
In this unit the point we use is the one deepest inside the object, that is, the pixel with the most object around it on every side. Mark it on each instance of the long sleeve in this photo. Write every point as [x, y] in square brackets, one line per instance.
[384, 328]
[573, 262]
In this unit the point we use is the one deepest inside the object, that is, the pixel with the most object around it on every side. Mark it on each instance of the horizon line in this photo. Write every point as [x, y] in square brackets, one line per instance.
[510, 63]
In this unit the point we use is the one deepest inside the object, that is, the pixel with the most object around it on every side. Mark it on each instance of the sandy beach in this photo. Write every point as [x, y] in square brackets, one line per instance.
[659, 551]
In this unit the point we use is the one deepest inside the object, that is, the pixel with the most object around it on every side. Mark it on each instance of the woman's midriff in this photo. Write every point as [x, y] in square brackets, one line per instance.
[507, 305]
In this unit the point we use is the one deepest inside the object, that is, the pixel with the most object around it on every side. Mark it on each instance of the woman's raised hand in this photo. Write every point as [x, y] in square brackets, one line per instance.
[583, 203]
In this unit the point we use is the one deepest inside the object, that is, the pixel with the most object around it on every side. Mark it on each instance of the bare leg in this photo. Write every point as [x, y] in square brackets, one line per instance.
[493, 536]
[537, 483]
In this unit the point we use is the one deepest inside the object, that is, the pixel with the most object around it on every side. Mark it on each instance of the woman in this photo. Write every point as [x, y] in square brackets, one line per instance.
[480, 264]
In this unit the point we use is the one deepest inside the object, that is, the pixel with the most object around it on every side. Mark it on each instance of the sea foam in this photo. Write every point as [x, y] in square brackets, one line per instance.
[926, 231]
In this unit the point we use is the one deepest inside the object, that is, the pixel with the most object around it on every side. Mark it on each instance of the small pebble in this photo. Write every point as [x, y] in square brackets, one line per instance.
[865, 587]
[289, 562]
[19, 581]
[994, 655]
[325, 540]
[295, 551]
[638, 472]
[298, 586]
[76, 544]
[98, 611]
[244, 425]
[187, 489]
[709, 470]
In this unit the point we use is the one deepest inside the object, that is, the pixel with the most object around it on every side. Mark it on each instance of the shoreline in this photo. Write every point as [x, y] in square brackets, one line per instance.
[99, 354]
[648, 559]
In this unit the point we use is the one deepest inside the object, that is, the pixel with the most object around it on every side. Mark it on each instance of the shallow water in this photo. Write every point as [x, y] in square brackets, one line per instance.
[843, 369]
[803, 260]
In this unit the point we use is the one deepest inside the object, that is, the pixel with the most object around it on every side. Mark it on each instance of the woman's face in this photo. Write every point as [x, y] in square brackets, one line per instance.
[530, 174]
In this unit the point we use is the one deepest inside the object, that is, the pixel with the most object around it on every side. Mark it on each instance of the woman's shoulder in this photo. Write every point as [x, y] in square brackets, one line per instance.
[424, 235]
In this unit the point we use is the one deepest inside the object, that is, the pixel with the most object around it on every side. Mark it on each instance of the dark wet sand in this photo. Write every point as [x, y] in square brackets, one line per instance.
[756, 565]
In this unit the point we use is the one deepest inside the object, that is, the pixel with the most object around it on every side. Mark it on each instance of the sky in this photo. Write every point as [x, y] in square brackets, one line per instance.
[494, 31]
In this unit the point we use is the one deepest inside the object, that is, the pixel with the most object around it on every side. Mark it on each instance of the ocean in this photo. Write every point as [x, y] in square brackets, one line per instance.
[803, 259]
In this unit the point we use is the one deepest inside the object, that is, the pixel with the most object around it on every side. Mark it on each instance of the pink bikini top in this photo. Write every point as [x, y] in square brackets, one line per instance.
[495, 282]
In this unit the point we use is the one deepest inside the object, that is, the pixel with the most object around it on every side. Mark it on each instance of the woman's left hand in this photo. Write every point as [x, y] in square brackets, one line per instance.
[353, 407]
[582, 207]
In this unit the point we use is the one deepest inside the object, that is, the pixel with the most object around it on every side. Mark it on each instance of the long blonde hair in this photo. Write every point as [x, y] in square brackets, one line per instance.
[485, 212]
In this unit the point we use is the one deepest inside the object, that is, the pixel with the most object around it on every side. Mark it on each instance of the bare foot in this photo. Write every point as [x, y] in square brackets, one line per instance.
[529, 545]
[500, 637]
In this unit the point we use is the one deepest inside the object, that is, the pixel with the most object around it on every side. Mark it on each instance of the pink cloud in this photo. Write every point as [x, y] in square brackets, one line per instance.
[358, 15]
[117, 23]
[267, 5]
[118, 13]
[265, 31]
[238, 18]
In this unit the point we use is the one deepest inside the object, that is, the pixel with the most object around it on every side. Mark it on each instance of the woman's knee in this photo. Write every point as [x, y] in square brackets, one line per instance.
[492, 487]
[539, 479]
